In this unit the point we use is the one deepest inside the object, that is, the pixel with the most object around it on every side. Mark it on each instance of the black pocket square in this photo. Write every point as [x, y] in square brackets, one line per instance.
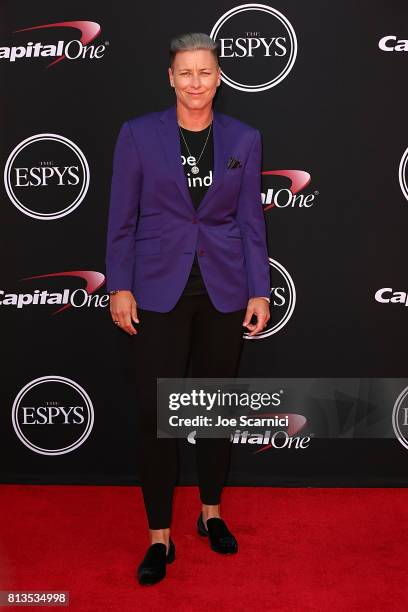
[233, 163]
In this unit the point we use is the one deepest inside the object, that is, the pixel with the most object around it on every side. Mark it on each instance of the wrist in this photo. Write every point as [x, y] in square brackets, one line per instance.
[261, 297]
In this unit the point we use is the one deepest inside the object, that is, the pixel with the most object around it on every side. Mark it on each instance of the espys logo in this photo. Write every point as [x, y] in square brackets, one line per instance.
[258, 47]
[291, 197]
[402, 174]
[283, 300]
[72, 50]
[400, 418]
[52, 415]
[76, 298]
[46, 176]
[279, 439]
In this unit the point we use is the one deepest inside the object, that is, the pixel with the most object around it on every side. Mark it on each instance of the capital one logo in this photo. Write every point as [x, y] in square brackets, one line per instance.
[288, 438]
[402, 174]
[46, 176]
[400, 418]
[52, 415]
[288, 197]
[393, 43]
[283, 300]
[258, 47]
[387, 295]
[63, 297]
[72, 50]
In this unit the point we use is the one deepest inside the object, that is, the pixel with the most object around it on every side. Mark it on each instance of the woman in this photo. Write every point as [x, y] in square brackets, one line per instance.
[187, 262]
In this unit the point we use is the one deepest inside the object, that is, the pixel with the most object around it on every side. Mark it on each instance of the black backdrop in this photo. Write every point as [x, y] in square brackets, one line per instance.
[338, 115]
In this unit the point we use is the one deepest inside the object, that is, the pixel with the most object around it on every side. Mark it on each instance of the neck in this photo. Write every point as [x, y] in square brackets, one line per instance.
[194, 119]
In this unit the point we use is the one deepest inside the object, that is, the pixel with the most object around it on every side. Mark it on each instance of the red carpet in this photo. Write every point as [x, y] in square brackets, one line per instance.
[300, 549]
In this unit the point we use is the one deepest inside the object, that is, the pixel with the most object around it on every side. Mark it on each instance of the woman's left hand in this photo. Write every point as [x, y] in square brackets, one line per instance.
[260, 308]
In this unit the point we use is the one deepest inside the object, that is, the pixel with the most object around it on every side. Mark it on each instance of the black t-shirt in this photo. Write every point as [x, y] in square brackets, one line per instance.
[197, 184]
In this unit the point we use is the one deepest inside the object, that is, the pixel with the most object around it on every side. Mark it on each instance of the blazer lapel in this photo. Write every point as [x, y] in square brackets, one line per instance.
[170, 137]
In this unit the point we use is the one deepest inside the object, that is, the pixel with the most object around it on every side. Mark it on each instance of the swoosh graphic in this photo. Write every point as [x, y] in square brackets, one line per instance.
[94, 280]
[89, 31]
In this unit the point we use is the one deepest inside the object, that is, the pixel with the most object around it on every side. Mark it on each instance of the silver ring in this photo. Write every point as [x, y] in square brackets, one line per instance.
[117, 322]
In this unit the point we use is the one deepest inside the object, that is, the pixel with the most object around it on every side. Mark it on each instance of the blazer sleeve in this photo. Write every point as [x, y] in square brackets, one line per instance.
[123, 211]
[251, 219]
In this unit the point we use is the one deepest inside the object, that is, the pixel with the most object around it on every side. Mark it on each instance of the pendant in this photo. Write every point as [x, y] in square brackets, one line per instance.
[194, 169]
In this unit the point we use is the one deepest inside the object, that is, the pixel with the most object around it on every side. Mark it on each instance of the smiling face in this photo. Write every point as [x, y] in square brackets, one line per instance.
[195, 77]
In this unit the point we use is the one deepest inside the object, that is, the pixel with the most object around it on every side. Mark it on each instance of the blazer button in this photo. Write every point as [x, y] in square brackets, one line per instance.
[194, 220]
[201, 252]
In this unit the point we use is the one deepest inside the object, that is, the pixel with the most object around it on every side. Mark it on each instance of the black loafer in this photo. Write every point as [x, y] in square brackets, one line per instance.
[221, 539]
[153, 567]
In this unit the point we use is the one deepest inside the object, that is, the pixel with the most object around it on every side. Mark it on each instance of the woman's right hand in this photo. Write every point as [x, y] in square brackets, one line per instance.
[123, 308]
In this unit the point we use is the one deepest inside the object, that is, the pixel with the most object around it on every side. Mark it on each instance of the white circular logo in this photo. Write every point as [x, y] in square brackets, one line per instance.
[283, 300]
[402, 174]
[46, 176]
[400, 418]
[52, 415]
[258, 47]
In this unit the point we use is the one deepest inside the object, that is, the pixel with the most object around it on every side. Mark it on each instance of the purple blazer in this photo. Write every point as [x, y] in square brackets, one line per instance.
[154, 229]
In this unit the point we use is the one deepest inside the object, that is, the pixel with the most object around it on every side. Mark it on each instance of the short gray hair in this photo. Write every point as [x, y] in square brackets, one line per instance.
[191, 41]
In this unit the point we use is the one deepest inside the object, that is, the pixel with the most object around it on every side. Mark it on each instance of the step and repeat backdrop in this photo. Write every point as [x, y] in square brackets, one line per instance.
[325, 83]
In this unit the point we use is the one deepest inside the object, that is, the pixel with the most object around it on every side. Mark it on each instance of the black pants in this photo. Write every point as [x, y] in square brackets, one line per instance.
[163, 344]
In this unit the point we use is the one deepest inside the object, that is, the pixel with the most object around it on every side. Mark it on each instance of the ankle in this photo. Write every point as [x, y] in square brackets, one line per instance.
[161, 541]
[210, 511]
[161, 536]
